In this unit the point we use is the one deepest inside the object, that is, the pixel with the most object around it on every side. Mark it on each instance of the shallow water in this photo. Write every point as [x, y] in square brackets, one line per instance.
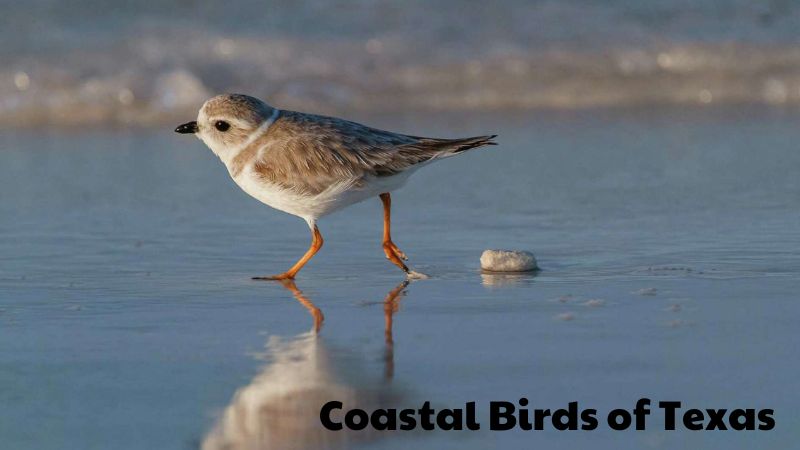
[128, 319]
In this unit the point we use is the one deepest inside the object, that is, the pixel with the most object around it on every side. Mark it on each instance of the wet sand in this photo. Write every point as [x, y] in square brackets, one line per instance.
[667, 240]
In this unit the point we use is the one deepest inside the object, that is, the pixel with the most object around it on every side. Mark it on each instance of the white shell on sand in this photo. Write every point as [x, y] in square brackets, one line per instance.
[508, 261]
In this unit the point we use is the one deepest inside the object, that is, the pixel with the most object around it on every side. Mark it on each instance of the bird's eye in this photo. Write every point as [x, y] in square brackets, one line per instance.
[221, 125]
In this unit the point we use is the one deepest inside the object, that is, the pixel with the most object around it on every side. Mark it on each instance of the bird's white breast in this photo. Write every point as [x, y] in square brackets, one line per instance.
[311, 207]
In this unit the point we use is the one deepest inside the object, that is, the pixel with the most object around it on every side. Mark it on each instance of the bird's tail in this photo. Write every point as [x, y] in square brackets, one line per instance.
[449, 147]
[425, 150]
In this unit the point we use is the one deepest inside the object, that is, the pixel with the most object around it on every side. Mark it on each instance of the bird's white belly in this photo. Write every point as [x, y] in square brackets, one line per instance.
[312, 207]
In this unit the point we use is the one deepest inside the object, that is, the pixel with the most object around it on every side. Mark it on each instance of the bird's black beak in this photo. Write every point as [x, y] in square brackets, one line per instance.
[187, 128]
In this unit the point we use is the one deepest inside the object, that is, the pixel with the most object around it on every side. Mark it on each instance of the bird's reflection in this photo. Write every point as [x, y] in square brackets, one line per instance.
[391, 304]
[315, 312]
[280, 407]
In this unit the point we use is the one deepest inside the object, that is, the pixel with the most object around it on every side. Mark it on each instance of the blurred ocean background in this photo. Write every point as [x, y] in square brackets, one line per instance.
[90, 62]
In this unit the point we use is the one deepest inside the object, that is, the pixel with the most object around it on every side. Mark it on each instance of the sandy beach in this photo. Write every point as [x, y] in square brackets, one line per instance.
[667, 241]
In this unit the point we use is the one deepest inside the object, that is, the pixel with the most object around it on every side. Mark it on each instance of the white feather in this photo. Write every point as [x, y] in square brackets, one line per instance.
[312, 207]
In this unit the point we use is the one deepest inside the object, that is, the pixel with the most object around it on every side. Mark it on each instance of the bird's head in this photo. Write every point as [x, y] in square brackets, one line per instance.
[226, 122]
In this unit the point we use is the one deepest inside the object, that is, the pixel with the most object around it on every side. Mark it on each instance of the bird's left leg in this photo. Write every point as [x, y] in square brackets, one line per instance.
[316, 244]
[393, 254]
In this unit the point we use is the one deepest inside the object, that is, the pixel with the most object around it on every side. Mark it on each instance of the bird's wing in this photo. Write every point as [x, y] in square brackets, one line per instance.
[310, 153]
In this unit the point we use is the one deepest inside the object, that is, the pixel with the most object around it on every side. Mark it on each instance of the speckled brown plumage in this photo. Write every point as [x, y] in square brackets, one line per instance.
[309, 153]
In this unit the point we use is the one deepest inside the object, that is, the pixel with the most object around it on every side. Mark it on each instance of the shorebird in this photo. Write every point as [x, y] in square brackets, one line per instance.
[310, 165]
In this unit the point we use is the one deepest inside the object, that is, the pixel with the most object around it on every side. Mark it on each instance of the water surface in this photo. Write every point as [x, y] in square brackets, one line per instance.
[668, 242]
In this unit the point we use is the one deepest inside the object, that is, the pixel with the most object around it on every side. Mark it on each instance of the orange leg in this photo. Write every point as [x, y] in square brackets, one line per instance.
[390, 306]
[316, 244]
[393, 254]
[316, 313]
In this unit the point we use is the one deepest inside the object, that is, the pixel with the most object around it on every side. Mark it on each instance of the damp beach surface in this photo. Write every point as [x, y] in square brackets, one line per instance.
[668, 242]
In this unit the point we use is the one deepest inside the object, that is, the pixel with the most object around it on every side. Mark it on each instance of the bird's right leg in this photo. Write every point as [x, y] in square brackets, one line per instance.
[393, 254]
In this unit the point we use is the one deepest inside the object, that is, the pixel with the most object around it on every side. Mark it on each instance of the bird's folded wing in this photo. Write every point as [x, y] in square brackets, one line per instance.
[311, 153]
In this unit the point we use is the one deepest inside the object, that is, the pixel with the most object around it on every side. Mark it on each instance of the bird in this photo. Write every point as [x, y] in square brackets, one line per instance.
[311, 165]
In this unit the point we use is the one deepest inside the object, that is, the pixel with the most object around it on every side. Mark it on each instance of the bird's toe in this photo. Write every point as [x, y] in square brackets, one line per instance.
[282, 276]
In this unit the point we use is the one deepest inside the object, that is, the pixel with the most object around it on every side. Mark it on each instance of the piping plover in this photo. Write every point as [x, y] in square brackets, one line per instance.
[310, 165]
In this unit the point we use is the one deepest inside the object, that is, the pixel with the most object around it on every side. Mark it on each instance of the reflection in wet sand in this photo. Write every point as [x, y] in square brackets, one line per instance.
[280, 407]
[315, 312]
[391, 304]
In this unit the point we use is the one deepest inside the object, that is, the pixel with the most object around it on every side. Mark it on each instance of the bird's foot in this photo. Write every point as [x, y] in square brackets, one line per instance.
[279, 277]
[391, 255]
[391, 247]
[398, 252]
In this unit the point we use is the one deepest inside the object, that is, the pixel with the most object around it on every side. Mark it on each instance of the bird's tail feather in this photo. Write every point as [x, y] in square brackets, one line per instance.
[461, 145]
[449, 147]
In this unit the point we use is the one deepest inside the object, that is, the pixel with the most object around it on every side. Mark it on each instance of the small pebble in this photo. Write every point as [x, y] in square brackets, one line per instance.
[508, 261]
